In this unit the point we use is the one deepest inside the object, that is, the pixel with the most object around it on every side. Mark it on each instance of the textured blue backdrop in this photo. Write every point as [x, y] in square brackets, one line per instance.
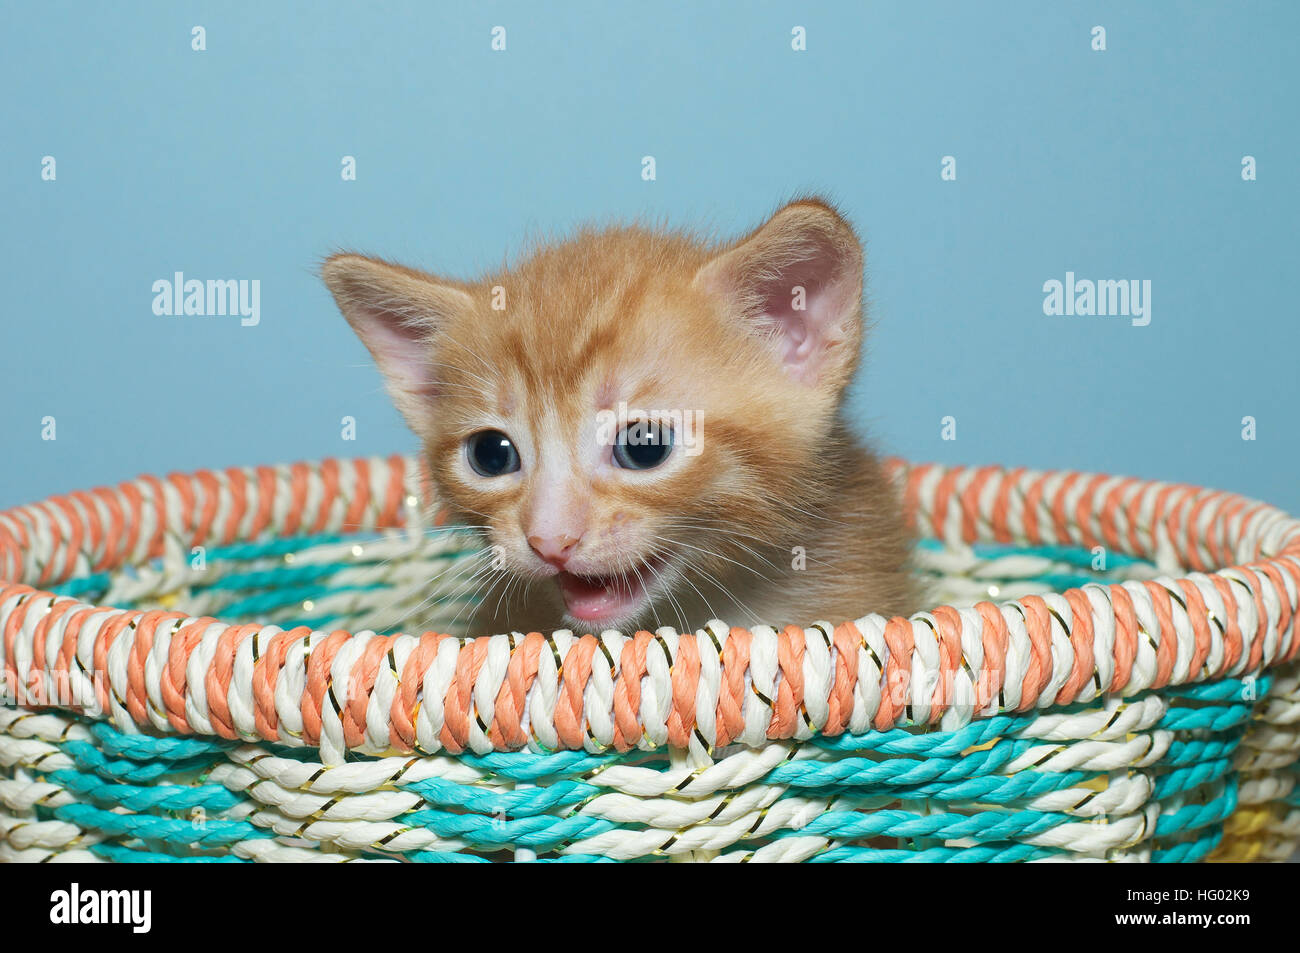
[226, 163]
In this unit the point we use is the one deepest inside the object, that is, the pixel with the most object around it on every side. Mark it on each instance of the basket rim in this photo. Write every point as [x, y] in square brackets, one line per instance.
[1233, 615]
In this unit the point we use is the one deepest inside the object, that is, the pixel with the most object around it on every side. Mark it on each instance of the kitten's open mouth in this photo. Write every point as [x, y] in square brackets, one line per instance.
[606, 598]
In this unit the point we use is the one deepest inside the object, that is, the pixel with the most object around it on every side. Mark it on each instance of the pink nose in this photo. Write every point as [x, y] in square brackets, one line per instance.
[555, 550]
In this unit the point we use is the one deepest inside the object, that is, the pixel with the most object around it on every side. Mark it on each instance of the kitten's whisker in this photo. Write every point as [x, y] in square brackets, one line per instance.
[623, 579]
[484, 586]
[469, 509]
[650, 602]
[458, 568]
[510, 584]
[496, 609]
[723, 589]
[668, 592]
[687, 561]
[521, 596]
[717, 555]
[703, 598]
[749, 549]
[441, 595]
[490, 569]
[452, 570]
[427, 533]
[737, 537]
[472, 588]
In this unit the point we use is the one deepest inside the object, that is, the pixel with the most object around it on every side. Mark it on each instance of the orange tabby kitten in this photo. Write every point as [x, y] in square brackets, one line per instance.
[645, 428]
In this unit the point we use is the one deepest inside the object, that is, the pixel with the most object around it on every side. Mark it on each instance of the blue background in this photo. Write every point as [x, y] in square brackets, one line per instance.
[226, 164]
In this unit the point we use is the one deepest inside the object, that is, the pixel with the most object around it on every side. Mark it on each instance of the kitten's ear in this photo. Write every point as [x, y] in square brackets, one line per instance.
[797, 282]
[397, 312]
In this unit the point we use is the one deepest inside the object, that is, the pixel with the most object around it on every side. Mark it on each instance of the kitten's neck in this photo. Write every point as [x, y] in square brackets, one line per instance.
[848, 557]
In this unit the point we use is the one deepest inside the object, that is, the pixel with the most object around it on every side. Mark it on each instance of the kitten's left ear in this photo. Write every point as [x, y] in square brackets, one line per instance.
[797, 282]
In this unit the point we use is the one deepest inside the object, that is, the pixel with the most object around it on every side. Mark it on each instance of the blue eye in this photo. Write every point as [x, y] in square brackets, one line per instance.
[643, 445]
[491, 453]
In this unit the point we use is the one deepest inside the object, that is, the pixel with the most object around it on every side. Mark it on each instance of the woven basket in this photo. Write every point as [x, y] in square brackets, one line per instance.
[1092, 690]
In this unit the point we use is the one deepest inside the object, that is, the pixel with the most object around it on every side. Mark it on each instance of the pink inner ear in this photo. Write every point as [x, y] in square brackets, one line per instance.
[401, 351]
[804, 336]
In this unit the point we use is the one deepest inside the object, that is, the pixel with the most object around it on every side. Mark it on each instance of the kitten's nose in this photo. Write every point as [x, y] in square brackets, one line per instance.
[555, 550]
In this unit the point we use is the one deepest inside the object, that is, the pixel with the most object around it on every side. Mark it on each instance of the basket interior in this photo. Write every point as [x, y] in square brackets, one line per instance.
[424, 579]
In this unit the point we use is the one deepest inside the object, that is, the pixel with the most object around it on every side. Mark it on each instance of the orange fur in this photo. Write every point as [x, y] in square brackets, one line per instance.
[660, 320]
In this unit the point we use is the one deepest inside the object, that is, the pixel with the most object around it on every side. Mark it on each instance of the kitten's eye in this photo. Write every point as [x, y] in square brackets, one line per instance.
[643, 445]
[491, 453]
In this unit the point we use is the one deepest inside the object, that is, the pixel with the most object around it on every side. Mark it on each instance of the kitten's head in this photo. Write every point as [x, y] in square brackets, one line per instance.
[631, 413]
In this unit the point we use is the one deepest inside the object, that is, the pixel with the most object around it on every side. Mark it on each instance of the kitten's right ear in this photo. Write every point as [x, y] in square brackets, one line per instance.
[397, 312]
